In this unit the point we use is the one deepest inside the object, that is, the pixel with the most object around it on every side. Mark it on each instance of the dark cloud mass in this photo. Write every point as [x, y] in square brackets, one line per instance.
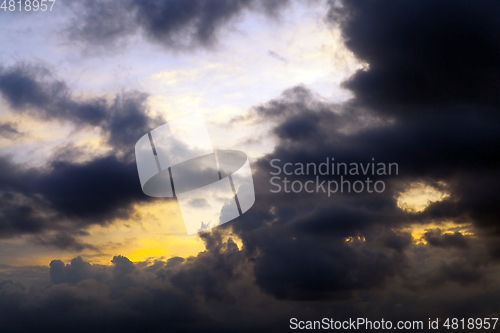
[437, 238]
[422, 53]
[421, 112]
[30, 88]
[67, 195]
[212, 292]
[426, 100]
[176, 24]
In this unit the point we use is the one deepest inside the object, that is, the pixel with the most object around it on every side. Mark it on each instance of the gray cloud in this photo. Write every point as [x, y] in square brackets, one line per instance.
[175, 24]
[196, 294]
[437, 238]
[68, 195]
[33, 89]
[63, 241]
[9, 130]
[277, 56]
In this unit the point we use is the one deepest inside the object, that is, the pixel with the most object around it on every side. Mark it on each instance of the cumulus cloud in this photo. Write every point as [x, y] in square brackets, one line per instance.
[197, 293]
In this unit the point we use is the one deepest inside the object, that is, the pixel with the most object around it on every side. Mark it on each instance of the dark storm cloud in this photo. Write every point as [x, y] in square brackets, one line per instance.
[198, 293]
[414, 106]
[295, 269]
[98, 190]
[132, 297]
[422, 53]
[309, 229]
[437, 238]
[76, 271]
[175, 24]
[427, 101]
[94, 192]
[31, 88]
[433, 66]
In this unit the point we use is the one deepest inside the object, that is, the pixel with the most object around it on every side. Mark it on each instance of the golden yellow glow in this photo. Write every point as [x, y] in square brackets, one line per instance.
[418, 230]
[237, 240]
[41, 139]
[173, 108]
[354, 238]
[419, 196]
[156, 230]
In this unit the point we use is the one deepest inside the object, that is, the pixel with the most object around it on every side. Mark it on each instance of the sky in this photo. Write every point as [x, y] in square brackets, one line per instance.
[414, 83]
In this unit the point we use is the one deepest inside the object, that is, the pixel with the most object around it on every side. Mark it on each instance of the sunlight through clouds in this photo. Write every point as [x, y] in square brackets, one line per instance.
[419, 196]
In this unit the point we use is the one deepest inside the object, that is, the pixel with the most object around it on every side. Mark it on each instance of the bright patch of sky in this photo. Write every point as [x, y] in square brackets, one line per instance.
[254, 61]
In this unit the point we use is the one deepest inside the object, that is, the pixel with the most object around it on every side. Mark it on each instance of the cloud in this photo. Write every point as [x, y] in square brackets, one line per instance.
[452, 61]
[33, 89]
[9, 130]
[67, 195]
[130, 296]
[309, 230]
[437, 238]
[197, 293]
[277, 56]
[76, 271]
[412, 105]
[63, 241]
[198, 202]
[175, 24]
